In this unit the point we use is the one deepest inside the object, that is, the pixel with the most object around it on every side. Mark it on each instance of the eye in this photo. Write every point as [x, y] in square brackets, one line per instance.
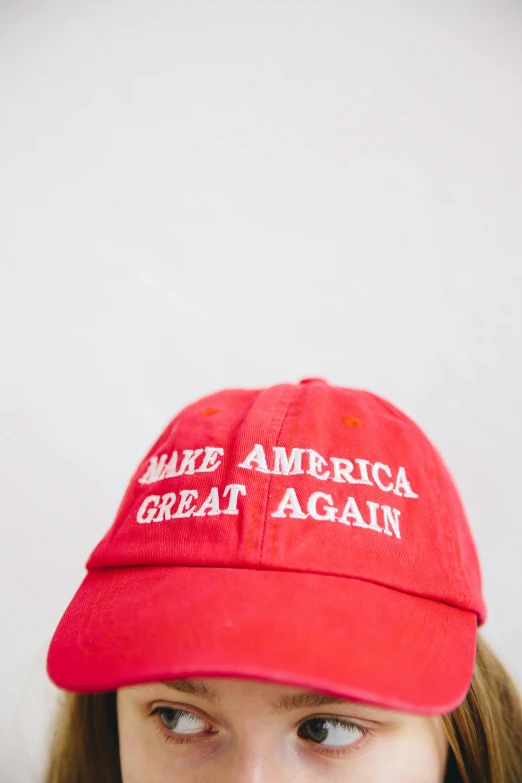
[181, 722]
[331, 732]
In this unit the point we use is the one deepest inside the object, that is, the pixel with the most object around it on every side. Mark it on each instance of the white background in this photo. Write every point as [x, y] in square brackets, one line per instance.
[197, 195]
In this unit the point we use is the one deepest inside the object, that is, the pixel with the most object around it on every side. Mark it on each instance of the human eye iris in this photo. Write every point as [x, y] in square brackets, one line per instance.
[331, 732]
[180, 722]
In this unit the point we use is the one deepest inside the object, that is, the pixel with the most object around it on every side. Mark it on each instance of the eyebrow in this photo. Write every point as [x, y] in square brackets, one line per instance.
[296, 701]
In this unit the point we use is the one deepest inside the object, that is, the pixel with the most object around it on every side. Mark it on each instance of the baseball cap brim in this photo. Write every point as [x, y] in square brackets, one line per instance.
[342, 636]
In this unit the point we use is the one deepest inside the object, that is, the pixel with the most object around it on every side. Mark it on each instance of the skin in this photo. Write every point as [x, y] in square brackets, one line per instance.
[249, 731]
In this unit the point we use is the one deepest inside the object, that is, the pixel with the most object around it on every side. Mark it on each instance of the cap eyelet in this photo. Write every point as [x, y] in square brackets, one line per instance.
[209, 411]
[352, 421]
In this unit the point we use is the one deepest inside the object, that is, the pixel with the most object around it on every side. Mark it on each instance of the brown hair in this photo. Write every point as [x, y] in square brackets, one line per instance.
[484, 733]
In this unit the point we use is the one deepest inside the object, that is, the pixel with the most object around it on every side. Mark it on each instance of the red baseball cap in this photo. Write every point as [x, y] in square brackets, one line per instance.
[305, 534]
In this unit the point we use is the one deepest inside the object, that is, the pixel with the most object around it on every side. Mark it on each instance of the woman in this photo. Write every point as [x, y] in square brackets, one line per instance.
[289, 592]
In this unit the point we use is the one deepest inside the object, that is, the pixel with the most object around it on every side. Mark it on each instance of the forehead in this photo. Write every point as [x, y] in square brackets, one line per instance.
[279, 697]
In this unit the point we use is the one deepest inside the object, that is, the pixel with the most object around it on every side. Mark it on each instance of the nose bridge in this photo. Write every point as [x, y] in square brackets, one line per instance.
[259, 761]
[255, 768]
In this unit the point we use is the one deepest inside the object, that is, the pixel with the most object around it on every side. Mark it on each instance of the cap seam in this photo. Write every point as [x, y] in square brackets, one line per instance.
[293, 571]
[295, 391]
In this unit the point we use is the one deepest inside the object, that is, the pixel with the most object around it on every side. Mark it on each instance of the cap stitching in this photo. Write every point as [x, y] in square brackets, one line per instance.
[463, 606]
[453, 544]
[295, 391]
[278, 528]
[252, 528]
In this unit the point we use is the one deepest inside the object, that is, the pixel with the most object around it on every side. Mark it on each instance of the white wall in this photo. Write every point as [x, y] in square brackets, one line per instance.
[195, 195]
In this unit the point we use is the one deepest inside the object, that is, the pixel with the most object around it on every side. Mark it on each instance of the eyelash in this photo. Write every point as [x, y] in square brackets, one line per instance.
[333, 751]
[163, 731]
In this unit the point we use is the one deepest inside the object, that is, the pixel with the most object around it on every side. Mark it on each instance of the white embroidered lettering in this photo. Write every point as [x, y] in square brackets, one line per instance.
[343, 470]
[185, 499]
[146, 514]
[289, 503]
[210, 460]
[159, 469]
[187, 466]
[210, 507]
[402, 481]
[234, 490]
[377, 466]
[373, 516]
[351, 509]
[172, 468]
[287, 466]
[287, 461]
[155, 470]
[363, 468]
[167, 501]
[315, 465]
[391, 517]
[256, 455]
[328, 510]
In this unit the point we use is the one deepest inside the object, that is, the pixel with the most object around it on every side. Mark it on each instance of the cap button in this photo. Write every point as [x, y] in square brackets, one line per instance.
[312, 380]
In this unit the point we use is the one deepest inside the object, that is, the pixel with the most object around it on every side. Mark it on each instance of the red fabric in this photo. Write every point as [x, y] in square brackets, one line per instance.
[384, 610]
